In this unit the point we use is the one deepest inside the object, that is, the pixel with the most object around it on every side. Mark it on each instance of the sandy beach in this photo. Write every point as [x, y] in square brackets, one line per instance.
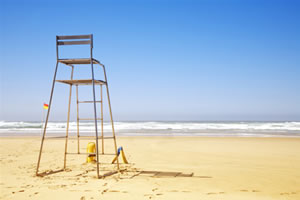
[223, 168]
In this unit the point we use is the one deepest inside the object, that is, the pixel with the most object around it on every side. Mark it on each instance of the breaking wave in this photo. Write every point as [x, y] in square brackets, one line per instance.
[152, 128]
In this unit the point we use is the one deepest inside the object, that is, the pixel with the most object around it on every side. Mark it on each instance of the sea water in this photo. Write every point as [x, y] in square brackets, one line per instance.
[158, 128]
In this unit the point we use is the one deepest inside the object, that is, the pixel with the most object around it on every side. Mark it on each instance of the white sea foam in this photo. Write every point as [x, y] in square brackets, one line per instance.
[241, 129]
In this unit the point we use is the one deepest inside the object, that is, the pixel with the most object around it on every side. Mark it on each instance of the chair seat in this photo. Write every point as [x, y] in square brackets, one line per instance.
[78, 61]
[82, 82]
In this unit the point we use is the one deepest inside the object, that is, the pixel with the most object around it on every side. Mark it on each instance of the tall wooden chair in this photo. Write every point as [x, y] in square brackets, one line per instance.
[81, 40]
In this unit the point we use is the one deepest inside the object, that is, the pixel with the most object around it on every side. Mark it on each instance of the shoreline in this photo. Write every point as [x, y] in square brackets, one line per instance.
[147, 136]
[160, 136]
[163, 128]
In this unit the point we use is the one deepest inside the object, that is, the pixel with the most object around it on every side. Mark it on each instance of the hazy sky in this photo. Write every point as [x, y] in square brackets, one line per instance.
[166, 60]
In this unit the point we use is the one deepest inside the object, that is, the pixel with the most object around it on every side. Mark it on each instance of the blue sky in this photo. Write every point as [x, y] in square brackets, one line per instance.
[166, 60]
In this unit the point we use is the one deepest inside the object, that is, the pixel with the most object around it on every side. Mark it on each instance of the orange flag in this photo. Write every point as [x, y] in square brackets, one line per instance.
[46, 106]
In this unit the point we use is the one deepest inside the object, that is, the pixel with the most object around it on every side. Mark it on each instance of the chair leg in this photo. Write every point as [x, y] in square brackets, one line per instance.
[111, 118]
[68, 122]
[102, 119]
[95, 116]
[78, 150]
[46, 122]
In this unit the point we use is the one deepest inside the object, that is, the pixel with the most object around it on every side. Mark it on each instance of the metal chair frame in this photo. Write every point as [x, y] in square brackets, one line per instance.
[80, 40]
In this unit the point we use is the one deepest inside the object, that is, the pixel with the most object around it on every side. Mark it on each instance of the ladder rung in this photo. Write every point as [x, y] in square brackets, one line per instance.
[99, 137]
[89, 101]
[89, 119]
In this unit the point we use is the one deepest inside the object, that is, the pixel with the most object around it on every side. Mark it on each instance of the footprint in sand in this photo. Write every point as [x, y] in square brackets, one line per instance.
[249, 190]
[210, 193]
[150, 196]
[113, 191]
[288, 193]
[104, 191]
[82, 198]
[284, 193]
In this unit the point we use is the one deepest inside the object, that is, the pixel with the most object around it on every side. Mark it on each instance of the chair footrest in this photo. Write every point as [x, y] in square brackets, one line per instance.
[82, 82]
[78, 61]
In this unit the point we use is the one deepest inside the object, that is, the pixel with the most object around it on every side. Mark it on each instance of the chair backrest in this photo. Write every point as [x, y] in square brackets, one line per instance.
[74, 40]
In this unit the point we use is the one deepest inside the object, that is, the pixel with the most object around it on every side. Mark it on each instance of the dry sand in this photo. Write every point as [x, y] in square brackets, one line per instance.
[224, 168]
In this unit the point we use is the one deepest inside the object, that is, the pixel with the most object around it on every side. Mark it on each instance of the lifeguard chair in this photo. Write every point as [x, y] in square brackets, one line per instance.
[82, 40]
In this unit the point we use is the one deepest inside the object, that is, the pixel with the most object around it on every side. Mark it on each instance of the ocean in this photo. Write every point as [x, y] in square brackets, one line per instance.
[158, 128]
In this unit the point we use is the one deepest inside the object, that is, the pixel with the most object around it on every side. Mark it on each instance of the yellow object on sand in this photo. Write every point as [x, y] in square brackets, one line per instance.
[120, 150]
[123, 156]
[91, 148]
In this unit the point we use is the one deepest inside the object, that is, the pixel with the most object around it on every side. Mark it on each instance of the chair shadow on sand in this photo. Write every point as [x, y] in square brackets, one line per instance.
[153, 174]
[162, 174]
[46, 173]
